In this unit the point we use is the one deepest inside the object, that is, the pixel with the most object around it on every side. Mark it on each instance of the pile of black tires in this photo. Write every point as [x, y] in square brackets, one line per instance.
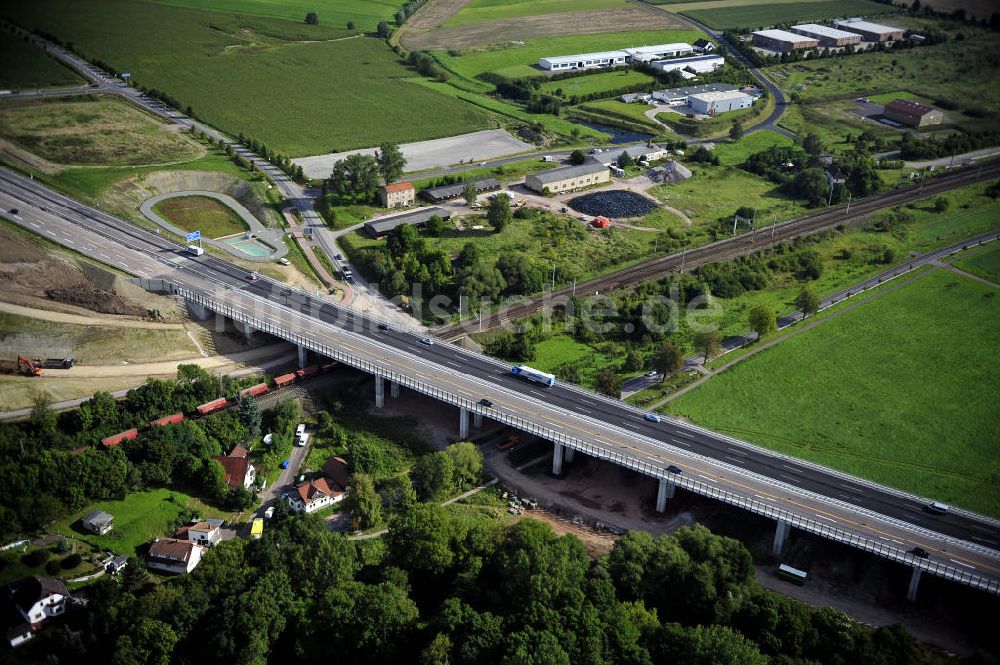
[613, 204]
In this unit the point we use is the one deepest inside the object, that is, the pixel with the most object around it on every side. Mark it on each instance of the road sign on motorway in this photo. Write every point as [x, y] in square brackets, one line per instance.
[194, 235]
[126, 75]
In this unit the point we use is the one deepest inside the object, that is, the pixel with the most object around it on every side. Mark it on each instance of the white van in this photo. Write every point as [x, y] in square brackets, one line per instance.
[302, 440]
[938, 508]
[300, 430]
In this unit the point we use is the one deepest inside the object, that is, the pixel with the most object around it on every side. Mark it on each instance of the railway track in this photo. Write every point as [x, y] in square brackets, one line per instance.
[728, 248]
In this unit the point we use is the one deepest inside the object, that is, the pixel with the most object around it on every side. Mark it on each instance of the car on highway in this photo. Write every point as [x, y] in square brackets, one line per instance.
[935, 507]
[14, 211]
[383, 326]
[485, 402]
[252, 277]
[427, 340]
[339, 257]
[920, 552]
[673, 469]
[652, 417]
[651, 374]
[269, 513]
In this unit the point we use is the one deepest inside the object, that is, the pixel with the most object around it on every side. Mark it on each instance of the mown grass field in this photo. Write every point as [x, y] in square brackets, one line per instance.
[595, 83]
[94, 133]
[280, 82]
[139, 518]
[612, 112]
[870, 409]
[27, 66]
[734, 153]
[983, 262]
[365, 13]
[473, 63]
[200, 213]
[478, 11]
[767, 14]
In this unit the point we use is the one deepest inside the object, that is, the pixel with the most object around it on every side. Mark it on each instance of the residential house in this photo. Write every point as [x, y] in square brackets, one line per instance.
[398, 195]
[174, 556]
[38, 598]
[207, 532]
[98, 521]
[336, 471]
[834, 176]
[239, 471]
[703, 46]
[313, 495]
[116, 565]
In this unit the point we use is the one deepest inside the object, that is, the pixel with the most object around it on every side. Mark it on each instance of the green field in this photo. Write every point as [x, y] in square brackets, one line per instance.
[295, 87]
[735, 153]
[473, 63]
[596, 83]
[915, 411]
[479, 11]
[616, 113]
[366, 13]
[767, 14]
[93, 133]
[26, 66]
[139, 518]
[200, 213]
[983, 263]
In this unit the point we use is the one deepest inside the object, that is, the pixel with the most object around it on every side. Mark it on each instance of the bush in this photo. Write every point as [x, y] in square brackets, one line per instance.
[52, 567]
[35, 558]
[70, 562]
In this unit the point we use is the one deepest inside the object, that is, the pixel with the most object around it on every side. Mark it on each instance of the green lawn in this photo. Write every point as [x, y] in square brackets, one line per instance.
[365, 13]
[300, 89]
[479, 11]
[608, 111]
[767, 14]
[735, 153]
[108, 132]
[596, 83]
[27, 66]
[200, 213]
[472, 63]
[870, 409]
[139, 518]
[984, 262]
[504, 173]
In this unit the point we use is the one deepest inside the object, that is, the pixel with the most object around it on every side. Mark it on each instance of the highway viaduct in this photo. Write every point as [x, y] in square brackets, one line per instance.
[963, 547]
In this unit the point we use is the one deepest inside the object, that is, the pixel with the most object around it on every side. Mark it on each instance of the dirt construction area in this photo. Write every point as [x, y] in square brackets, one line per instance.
[480, 35]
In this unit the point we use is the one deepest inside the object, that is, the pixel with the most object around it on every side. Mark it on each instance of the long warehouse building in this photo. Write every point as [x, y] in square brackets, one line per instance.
[827, 36]
[783, 41]
[870, 32]
[700, 64]
[614, 58]
[568, 178]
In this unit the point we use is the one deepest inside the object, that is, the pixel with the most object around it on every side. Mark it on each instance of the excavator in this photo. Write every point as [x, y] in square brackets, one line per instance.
[28, 368]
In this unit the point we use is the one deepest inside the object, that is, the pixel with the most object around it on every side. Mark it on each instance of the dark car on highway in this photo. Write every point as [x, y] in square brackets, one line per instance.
[920, 552]
[673, 469]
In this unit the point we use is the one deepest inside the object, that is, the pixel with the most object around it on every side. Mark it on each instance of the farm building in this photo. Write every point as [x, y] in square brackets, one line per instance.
[658, 52]
[703, 46]
[650, 153]
[568, 178]
[679, 96]
[583, 61]
[912, 114]
[698, 63]
[827, 36]
[782, 40]
[712, 103]
[448, 192]
[397, 195]
[870, 32]
[377, 228]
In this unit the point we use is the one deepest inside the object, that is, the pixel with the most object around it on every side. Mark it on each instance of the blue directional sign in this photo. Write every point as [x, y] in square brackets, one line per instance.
[194, 235]
[126, 75]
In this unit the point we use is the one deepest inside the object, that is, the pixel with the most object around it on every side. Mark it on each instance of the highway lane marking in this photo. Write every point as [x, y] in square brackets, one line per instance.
[51, 232]
[70, 241]
[791, 468]
[738, 452]
[35, 225]
[823, 517]
[735, 459]
[851, 488]
[683, 443]
[962, 564]
[547, 422]
[580, 408]
[105, 256]
[794, 480]
[711, 480]
[681, 432]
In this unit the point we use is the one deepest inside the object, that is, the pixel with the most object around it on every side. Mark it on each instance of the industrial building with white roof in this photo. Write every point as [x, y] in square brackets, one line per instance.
[827, 36]
[870, 32]
[782, 40]
[614, 58]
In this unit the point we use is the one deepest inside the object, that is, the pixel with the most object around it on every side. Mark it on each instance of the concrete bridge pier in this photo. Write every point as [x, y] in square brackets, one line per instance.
[911, 593]
[463, 423]
[780, 534]
[393, 389]
[666, 491]
[568, 455]
[303, 356]
[198, 311]
[379, 392]
[557, 458]
[248, 330]
[477, 420]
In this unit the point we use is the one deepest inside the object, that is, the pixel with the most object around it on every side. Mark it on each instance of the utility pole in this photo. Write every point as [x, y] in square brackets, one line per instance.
[846, 212]
[553, 278]
[978, 172]
[829, 199]
[683, 254]
[574, 287]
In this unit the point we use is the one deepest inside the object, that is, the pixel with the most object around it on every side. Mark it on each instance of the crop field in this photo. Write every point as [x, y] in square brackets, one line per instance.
[220, 65]
[478, 11]
[366, 13]
[983, 263]
[596, 83]
[138, 519]
[473, 63]
[93, 133]
[766, 14]
[192, 213]
[870, 409]
[26, 66]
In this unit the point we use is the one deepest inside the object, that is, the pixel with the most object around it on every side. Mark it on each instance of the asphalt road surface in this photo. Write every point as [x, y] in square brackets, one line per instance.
[608, 424]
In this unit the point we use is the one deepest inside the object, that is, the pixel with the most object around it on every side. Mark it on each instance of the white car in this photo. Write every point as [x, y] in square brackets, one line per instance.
[302, 440]
[269, 513]
[300, 430]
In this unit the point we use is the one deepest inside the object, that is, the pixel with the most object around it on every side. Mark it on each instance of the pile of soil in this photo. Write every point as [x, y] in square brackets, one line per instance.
[98, 300]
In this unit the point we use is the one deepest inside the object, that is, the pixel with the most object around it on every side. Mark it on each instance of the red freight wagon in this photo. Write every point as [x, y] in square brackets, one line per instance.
[312, 370]
[284, 379]
[167, 420]
[213, 406]
[254, 391]
[116, 440]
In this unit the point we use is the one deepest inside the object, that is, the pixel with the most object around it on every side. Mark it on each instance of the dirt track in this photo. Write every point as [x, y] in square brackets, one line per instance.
[80, 320]
[546, 25]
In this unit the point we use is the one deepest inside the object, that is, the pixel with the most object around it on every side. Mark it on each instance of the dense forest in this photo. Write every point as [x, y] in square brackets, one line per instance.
[447, 587]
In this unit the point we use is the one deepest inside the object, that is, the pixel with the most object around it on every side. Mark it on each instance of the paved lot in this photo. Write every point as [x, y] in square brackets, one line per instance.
[437, 153]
